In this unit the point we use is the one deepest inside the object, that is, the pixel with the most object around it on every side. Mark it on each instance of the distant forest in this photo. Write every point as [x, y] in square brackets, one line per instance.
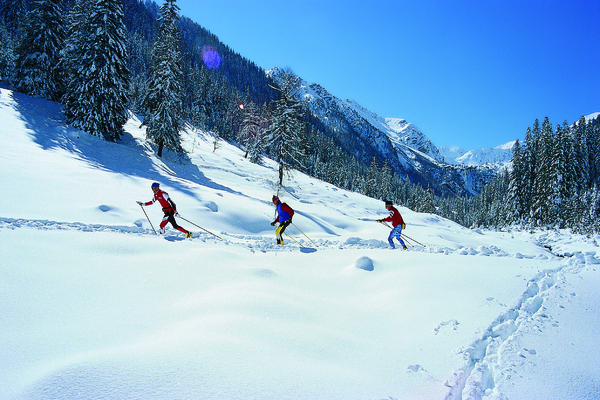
[104, 58]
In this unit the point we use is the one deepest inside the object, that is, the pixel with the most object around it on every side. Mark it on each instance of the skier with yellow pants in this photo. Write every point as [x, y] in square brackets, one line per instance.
[284, 217]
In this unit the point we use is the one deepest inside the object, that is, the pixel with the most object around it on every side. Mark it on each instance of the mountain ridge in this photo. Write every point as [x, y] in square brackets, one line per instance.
[408, 151]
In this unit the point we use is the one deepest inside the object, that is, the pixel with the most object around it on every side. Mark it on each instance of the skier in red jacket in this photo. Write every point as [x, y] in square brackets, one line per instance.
[397, 222]
[284, 217]
[169, 209]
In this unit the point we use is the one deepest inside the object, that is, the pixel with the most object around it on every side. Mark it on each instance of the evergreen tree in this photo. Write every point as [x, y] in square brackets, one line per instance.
[559, 173]
[252, 135]
[516, 196]
[373, 179]
[7, 58]
[13, 12]
[529, 165]
[593, 143]
[140, 55]
[37, 54]
[543, 188]
[581, 157]
[287, 131]
[164, 99]
[428, 201]
[386, 189]
[97, 90]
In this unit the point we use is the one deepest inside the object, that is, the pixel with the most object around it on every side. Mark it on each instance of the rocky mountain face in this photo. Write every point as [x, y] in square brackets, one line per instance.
[403, 145]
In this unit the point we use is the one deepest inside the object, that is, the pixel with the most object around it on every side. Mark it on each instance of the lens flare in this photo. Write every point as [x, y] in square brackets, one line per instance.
[211, 57]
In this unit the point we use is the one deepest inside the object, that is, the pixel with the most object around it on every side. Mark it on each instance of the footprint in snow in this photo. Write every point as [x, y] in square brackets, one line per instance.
[415, 369]
[453, 324]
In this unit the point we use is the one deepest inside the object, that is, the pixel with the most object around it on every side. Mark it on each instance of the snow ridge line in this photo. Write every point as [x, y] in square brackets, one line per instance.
[482, 357]
[12, 223]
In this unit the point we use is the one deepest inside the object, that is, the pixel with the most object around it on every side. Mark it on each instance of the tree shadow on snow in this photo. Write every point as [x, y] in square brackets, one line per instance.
[128, 156]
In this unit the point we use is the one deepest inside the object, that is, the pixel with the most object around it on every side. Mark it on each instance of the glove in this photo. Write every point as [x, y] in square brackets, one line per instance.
[140, 203]
[403, 226]
[273, 223]
[379, 220]
[176, 214]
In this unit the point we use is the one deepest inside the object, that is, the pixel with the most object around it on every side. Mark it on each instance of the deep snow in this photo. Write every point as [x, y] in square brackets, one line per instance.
[94, 305]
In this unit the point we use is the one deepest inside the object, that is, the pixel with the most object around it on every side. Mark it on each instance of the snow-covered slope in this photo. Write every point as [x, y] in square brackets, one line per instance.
[592, 116]
[94, 305]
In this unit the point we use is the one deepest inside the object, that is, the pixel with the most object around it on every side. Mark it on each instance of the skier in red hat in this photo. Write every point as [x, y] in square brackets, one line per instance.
[169, 209]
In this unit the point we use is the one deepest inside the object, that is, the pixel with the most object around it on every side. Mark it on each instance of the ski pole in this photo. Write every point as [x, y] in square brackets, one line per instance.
[385, 223]
[305, 235]
[148, 219]
[402, 235]
[407, 241]
[419, 243]
[198, 226]
[295, 240]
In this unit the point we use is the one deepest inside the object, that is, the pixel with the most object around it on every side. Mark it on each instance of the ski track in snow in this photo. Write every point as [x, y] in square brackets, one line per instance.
[256, 242]
[475, 380]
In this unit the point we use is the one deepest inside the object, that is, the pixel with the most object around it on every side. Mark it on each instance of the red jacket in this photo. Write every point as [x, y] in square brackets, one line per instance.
[395, 218]
[164, 200]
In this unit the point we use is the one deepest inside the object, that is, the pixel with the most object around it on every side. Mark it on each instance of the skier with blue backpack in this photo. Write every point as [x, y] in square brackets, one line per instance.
[284, 217]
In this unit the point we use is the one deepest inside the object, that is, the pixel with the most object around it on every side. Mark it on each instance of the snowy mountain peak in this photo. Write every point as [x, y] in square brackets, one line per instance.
[499, 156]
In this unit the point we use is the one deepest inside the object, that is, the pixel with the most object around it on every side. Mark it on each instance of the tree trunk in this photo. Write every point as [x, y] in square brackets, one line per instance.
[280, 174]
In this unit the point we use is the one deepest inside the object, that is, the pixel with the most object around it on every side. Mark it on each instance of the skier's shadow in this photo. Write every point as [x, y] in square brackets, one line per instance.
[174, 238]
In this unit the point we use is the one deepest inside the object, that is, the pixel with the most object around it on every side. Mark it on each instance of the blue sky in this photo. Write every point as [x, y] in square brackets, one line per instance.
[469, 73]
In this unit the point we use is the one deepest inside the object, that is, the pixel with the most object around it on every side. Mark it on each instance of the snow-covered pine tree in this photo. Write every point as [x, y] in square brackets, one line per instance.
[529, 161]
[429, 200]
[543, 189]
[196, 97]
[13, 11]
[72, 53]
[498, 210]
[252, 135]
[219, 105]
[593, 142]
[7, 58]
[97, 91]
[581, 157]
[37, 53]
[594, 127]
[140, 54]
[373, 179]
[287, 131]
[559, 185]
[515, 199]
[164, 100]
[385, 187]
